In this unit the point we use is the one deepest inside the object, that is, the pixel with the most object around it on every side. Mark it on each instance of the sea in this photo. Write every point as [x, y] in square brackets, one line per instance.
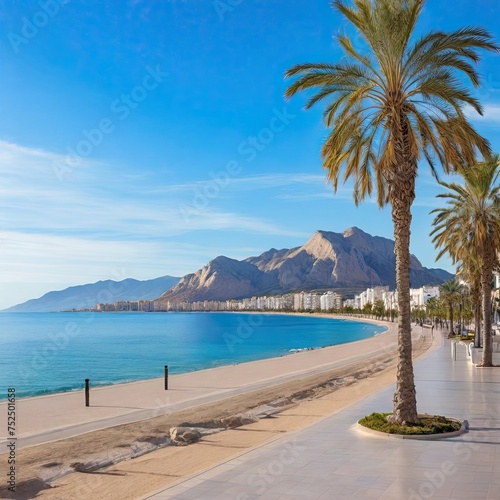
[46, 353]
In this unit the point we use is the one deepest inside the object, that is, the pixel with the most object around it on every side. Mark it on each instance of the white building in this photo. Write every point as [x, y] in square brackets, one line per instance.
[311, 301]
[420, 296]
[350, 303]
[370, 296]
[390, 299]
[298, 301]
[330, 300]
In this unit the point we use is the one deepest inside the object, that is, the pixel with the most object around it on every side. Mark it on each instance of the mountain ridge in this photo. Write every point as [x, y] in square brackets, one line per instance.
[349, 260]
[327, 260]
[89, 295]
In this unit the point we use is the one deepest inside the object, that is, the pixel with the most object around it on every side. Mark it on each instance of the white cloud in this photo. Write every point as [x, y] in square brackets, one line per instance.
[491, 113]
[95, 222]
[96, 199]
[248, 183]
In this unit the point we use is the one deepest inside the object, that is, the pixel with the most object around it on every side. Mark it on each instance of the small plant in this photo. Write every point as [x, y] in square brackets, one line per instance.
[427, 424]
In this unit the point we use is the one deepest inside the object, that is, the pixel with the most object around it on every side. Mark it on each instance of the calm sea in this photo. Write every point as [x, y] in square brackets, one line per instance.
[43, 353]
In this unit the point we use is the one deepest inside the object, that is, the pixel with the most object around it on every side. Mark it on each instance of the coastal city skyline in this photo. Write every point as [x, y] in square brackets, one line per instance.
[312, 301]
[146, 140]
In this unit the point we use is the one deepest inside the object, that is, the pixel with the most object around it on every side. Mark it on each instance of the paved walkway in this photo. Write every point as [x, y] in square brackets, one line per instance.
[333, 460]
[58, 416]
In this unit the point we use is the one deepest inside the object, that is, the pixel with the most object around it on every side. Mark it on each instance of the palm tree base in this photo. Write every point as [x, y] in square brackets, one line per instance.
[427, 427]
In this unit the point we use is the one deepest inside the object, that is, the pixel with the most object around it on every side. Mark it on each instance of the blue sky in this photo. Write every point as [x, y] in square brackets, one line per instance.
[142, 138]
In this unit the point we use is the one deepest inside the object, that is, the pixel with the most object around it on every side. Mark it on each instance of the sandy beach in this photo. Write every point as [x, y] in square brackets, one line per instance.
[56, 432]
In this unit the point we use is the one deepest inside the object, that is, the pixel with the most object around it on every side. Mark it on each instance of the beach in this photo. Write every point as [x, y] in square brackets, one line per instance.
[65, 432]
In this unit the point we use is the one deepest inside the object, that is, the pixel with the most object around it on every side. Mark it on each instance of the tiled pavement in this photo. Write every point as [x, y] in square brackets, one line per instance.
[333, 460]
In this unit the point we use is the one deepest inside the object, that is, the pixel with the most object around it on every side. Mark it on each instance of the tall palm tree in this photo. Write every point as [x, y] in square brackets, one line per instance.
[391, 103]
[472, 218]
[451, 292]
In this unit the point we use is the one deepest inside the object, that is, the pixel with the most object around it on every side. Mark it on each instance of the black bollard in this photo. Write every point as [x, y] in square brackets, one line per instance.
[166, 377]
[87, 392]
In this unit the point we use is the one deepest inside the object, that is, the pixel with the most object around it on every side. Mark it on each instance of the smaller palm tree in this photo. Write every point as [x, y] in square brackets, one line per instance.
[470, 271]
[450, 292]
[379, 309]
[431, 307]
[368, 308]
[471, 224]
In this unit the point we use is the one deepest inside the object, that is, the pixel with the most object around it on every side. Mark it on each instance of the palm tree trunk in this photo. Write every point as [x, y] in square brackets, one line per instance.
[476, 299]
[486, 277]
[405, 401]
[477, 326]
[451, 319]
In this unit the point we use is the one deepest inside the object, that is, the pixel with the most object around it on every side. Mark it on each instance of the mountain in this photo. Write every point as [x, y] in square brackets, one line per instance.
[328, 260]
[86, 296]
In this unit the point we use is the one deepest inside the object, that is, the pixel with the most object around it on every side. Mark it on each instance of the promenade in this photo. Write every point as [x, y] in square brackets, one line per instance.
[332, 459]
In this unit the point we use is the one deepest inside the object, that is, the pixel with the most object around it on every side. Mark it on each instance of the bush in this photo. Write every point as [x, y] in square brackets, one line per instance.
[427, 424]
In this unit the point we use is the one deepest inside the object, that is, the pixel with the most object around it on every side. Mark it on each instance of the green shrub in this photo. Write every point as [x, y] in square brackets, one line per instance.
[429, 424]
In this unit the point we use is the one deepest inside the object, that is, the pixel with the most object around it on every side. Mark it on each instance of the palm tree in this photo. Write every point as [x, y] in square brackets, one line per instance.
[451, 291]
[471, 223]
[379, 309]
[470, 270]
[431, 307]
[389, 106]
[367, 308]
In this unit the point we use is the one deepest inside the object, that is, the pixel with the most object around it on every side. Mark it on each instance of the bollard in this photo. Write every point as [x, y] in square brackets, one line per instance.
[87, 392]
[166, 377]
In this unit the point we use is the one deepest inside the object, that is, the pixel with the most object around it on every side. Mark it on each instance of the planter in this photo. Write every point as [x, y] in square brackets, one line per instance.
[421, 437]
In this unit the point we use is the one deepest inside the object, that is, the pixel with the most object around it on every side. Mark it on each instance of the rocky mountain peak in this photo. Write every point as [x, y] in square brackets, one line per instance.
[328, 260]
[354, 231]
[320, 246]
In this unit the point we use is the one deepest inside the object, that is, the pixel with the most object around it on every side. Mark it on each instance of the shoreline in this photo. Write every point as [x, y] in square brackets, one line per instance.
[133, 479]
[58, 416]
[288, 353]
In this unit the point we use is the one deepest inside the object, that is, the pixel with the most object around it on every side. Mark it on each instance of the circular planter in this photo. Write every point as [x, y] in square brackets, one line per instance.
[420, 437]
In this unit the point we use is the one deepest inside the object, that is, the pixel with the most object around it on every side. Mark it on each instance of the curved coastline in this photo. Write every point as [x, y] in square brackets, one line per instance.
[299, 351]
[57, 416]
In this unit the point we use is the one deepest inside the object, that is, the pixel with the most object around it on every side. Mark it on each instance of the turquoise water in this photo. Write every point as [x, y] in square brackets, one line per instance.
[43, 353]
